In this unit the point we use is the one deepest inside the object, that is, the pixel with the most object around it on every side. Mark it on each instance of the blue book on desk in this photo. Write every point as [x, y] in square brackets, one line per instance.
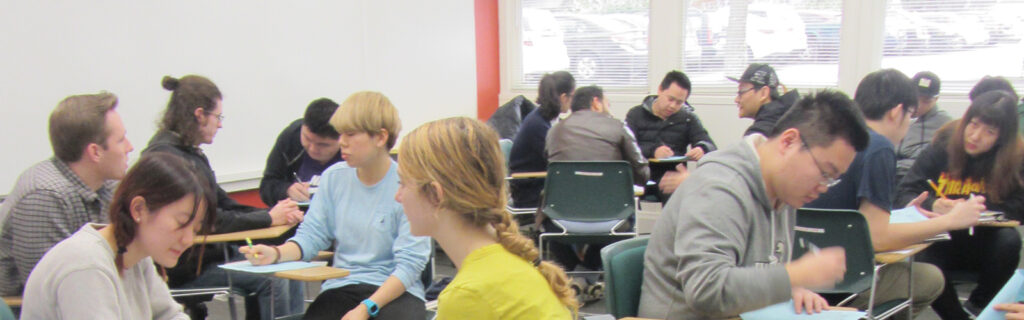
[1012, 291]
[245, 266]
[786, 310]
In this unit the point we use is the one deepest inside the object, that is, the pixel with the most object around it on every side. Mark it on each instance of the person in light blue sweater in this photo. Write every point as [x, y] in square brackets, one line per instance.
[355, 207]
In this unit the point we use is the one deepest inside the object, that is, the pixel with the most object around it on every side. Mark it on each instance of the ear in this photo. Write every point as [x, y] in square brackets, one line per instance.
[790, 139]
[437, 191]
[896, 114]
[138, 208]
[200, 114]
[596, 105]
[92, 152]
[382, 138]
[765, 93]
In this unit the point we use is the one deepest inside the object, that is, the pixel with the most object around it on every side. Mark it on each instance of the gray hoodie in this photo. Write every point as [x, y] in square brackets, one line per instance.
[718, 248]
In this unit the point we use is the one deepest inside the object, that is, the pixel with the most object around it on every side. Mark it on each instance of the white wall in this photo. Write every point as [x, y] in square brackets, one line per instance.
[270, 59]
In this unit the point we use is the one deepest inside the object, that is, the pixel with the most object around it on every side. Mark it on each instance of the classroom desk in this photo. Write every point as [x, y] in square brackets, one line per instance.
[1000, 224]
[899, 255]
[13, 301]
[265, 233]
[313, 274]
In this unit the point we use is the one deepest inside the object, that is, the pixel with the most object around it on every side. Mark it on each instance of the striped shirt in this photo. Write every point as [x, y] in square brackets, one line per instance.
[49, 203]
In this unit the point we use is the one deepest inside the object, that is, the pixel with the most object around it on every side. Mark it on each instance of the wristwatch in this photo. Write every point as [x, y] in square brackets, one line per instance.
[371, 307]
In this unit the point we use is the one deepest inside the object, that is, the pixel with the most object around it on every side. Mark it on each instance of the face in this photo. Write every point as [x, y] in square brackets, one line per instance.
[319, 148]
[669, 100]
[748, 100]
[358, 148]
[166, 233]
[210, 121]
[924, 104]
[807, 172]
[979, 137]
[113, 160]
[422, 214]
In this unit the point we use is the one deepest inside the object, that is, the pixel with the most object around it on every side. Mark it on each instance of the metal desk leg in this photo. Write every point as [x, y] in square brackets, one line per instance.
[231, 296]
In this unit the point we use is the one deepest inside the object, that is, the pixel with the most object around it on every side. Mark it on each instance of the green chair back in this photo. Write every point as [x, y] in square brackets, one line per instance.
[838, 228]
[623, 275]
[506, 149]
[5, 311]
[589, 191]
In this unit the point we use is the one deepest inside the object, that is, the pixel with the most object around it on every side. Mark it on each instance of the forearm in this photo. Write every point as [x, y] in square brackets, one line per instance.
[290, 251]
[390, 290]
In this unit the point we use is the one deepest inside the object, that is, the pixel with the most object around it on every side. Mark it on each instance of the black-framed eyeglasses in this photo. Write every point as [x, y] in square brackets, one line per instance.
[826, 181]
[741, 92]
[220, 116]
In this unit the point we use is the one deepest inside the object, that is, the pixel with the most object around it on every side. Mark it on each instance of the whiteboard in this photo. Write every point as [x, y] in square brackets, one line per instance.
[269, 59]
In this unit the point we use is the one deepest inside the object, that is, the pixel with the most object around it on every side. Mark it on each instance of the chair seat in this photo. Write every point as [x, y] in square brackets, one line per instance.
[580, 227]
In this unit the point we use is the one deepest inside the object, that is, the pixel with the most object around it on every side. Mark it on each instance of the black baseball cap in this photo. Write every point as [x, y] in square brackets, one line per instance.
[759, 74]
[927, 83]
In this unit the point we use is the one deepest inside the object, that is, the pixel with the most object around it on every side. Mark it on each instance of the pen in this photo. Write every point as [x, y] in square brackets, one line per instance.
[938, 191]
[254, 253]
[970, 231]
[296, 175]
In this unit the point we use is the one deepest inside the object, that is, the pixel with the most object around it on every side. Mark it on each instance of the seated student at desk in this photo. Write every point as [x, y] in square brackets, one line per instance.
[193, 116]
[665, 125]
[977, 155]
[59, 195]
[722, 244]
[356, 208]
[302, 151]
[500, 274]
[527, 155]
[888, 98]
[590, 134]
[107, 271]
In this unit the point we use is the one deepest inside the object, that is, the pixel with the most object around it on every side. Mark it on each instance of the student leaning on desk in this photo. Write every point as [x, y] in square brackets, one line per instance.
[355, 207]
[302, 151]
[500, 274]
[977, 155]
[722, 245]
[194, 115]
[107, 271]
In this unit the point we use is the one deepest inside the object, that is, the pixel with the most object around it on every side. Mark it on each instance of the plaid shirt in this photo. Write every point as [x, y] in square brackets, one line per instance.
[48, 204]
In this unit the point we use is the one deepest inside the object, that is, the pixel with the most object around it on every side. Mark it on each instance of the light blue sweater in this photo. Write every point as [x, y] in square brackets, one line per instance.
[372, 235]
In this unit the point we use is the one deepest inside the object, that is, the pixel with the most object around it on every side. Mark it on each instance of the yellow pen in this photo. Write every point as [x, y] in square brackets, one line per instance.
[254, 253]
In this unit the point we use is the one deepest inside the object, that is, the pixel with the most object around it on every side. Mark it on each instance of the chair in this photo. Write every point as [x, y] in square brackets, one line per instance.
[623, 274]
[847, 229]
[589, 200]
[5, 307]
[521, 215]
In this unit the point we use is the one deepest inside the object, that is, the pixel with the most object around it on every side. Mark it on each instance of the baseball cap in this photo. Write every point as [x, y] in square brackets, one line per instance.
[927, 83]
[759, 74]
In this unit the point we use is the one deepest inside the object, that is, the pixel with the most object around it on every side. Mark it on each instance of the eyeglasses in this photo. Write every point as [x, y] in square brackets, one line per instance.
[220, 116]
[826, 181]
[741, 92]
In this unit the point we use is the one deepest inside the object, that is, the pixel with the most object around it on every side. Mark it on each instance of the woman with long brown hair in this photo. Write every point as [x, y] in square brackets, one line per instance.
[978, 155]
[500, 274]
[107, 271]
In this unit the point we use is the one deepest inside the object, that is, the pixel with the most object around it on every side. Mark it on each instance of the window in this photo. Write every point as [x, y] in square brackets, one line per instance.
[959, 40]
[800, 39]
[601, 42]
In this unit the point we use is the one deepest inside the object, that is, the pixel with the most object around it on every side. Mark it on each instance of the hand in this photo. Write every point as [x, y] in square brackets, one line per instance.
[818, 270]
[917, 203]
[672, 179]
[943, 206]
[663, 152]
[267, 255]
[804, 299]
[357, 313]
[965, 214]
[285, 212]
[695, 153]
[299, 191]
[1014, 311]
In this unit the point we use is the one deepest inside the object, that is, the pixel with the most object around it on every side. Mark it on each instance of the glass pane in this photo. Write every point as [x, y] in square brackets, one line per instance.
[984, 36]
[601, 42]
[800, 39]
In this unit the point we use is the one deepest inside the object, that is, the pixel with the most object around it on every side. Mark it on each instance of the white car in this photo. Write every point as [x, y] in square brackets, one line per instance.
[543, 45]
[772, 30]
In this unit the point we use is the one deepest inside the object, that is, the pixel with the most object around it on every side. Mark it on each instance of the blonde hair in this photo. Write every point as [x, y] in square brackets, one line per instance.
[462, 155]
[368, 111]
